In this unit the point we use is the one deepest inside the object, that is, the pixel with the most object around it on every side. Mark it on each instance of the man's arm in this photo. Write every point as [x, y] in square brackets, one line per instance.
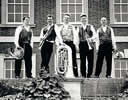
[75, 36]
[93, 38]
[31, 39]
[16, 38]
[113, 40]
[59, 38]
[42, 34]
[97, 40]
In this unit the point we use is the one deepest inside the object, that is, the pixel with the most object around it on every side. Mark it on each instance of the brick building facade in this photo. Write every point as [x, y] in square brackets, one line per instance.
[39, 9]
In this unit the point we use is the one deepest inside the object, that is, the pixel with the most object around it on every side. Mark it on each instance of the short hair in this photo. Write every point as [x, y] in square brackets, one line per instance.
[83, 15]
[25, 17]
[67, 15]
[50, 15]
[103, 17]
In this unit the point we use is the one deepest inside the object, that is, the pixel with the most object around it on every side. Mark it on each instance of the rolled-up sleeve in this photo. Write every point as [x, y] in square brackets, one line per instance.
[94, 34]
[16, 38]
[113, 39]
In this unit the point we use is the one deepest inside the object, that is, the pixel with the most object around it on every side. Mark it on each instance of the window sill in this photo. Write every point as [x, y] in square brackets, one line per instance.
[14, 25]
[119, 25]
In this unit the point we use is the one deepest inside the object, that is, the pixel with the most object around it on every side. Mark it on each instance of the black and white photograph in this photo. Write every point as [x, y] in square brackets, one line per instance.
[63, 49]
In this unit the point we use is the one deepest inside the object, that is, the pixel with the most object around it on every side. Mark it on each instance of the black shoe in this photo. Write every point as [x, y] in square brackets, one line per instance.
[108, 77]
[29, 77]
[17, 77]
[96, 77]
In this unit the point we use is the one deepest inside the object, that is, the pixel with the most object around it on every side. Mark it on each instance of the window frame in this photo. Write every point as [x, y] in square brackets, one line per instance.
[4, 20]
[112, 15]
[58, 11]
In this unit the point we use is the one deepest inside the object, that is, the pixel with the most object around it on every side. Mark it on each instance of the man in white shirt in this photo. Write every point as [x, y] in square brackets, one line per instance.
[69, 37]
[48, 35]
[87, 37]
[23, 39]
[105, 45]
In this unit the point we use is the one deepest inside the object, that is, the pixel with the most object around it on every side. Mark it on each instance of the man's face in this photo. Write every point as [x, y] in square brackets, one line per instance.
[84, 19]
[50, 20]
[103, 21]
[26, 20]
[66, 19]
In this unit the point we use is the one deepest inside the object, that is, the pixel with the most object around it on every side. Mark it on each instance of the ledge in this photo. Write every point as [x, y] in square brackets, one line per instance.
[14, 25]
[119, 25]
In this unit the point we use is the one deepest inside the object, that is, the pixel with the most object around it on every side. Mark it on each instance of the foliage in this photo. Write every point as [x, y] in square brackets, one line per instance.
[45, 87]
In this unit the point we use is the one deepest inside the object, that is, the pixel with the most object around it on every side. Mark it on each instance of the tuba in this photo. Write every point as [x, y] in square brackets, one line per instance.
[62, 62]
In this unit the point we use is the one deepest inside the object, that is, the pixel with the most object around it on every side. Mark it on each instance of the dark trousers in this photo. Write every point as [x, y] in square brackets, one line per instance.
[105, 51]
[74, 63]
[27, 59]
[46, 52]
[86, 53]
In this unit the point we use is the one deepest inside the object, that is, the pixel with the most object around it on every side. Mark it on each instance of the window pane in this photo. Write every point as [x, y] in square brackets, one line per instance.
[117, 73]
[8, 64]
[117, 18]
[71, 8]
[124, 1]
[18, 18]
[18, 8]
[124, 17]
[78, 1]
[8, 74]
[27, 15]
[123, 73]
[10, 1]
[13, 74]
[117, 8]
[62, 17]
[124, 8]
[72, 17]
[78, 8]
[25, 1]
[25, 8]
[13, 64]
[18, 1]
[117, 64]
[64, 8]
[123, 65]
[117, 1]
[11, 8]
[10, 17]
[71, 1]
[64, 1]
[77, 17]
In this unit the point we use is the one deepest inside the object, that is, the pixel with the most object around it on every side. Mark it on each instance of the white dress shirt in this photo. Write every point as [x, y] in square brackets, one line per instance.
[17, 33]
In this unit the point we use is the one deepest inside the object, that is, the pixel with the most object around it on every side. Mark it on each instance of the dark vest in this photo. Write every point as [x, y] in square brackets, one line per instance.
[25, 36]
[105, 37]
[85, 33]
[52, 33]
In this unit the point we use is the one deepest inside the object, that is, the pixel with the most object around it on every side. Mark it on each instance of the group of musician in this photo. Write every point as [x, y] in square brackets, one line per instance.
[84, 38]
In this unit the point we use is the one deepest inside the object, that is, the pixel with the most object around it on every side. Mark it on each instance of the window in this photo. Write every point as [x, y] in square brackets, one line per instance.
[8, 67]
[121, 68]
[73, 7]
[14, 10]
[119, 11]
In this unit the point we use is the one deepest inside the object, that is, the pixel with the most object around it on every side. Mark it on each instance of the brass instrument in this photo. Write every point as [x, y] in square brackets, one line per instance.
[43, 40]
[18, 53]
